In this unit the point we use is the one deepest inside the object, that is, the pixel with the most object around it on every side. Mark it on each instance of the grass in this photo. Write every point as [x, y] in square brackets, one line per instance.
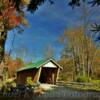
[93, 88]
[95, 81]
[93, 85]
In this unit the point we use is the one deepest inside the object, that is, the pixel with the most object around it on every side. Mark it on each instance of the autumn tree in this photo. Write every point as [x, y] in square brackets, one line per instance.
[12, 15]
[95, 27]
[11, 66]
[82, 51]
[9, 19]
[82, 46]
[96, 66]
[48, 52]
[67, 73]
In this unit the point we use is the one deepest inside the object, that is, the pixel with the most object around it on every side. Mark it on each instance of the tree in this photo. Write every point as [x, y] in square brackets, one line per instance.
[12, 65]
[78, 3]
[74, 3]
[12, 17]
[96, 66]
[67, 73]
[82, 50]
[48, 52]
[21, 52]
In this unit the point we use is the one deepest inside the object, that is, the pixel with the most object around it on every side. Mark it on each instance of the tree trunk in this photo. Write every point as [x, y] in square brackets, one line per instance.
[3, 37]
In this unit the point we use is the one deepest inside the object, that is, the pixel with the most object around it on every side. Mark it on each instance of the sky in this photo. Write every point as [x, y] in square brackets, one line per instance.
[46, 26]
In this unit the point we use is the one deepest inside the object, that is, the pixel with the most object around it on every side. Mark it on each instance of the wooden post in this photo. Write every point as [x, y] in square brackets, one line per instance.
[37, 76]
[53, 78]
[57, 74]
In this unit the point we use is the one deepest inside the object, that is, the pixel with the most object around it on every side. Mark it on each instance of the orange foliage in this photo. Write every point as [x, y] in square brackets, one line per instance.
[9, 14]
[67, 73]
[13, 65]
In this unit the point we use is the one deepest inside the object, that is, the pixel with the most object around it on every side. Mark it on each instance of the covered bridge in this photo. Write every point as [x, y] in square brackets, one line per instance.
[42, 71]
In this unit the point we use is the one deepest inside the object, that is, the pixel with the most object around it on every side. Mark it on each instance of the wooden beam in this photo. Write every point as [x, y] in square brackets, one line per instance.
[57, 74]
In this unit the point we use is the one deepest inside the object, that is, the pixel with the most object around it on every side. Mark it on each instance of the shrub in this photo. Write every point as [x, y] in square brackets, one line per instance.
[29, 81]
[8, 86]
[95, 81]
[82, 79]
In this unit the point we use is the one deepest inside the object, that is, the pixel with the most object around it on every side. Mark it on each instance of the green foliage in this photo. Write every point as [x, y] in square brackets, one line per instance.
[95, 81]
[8, 86]
[29, 81]
[82, 79]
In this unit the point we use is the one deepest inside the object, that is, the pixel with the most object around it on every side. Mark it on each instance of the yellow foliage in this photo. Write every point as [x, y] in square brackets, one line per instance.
[29, 81]
[25, 2]
[13, 84]
[24, 22]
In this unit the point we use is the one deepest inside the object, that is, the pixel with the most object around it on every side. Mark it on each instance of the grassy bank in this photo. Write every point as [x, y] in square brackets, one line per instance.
[93, 85]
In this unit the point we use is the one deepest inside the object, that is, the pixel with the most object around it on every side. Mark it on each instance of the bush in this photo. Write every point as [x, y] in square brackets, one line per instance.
[95, 81]
[8, 86]
[29, 81]
[82, 79]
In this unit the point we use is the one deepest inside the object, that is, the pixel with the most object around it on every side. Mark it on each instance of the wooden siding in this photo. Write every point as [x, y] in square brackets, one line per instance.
[46, 73]
[22, 76]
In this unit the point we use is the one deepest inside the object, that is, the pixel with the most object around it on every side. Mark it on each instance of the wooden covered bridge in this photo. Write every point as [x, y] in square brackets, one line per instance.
[42, 71]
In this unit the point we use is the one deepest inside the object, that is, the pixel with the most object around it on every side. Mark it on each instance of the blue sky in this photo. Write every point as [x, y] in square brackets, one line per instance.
[46, 25]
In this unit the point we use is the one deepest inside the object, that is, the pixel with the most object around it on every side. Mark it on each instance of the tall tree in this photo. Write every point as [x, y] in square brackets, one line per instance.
[77, 3]
[82, 50]
[12, 16]
[48, 52]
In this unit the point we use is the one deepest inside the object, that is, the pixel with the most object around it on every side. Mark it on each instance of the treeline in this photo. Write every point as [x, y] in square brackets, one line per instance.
[80, 56]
